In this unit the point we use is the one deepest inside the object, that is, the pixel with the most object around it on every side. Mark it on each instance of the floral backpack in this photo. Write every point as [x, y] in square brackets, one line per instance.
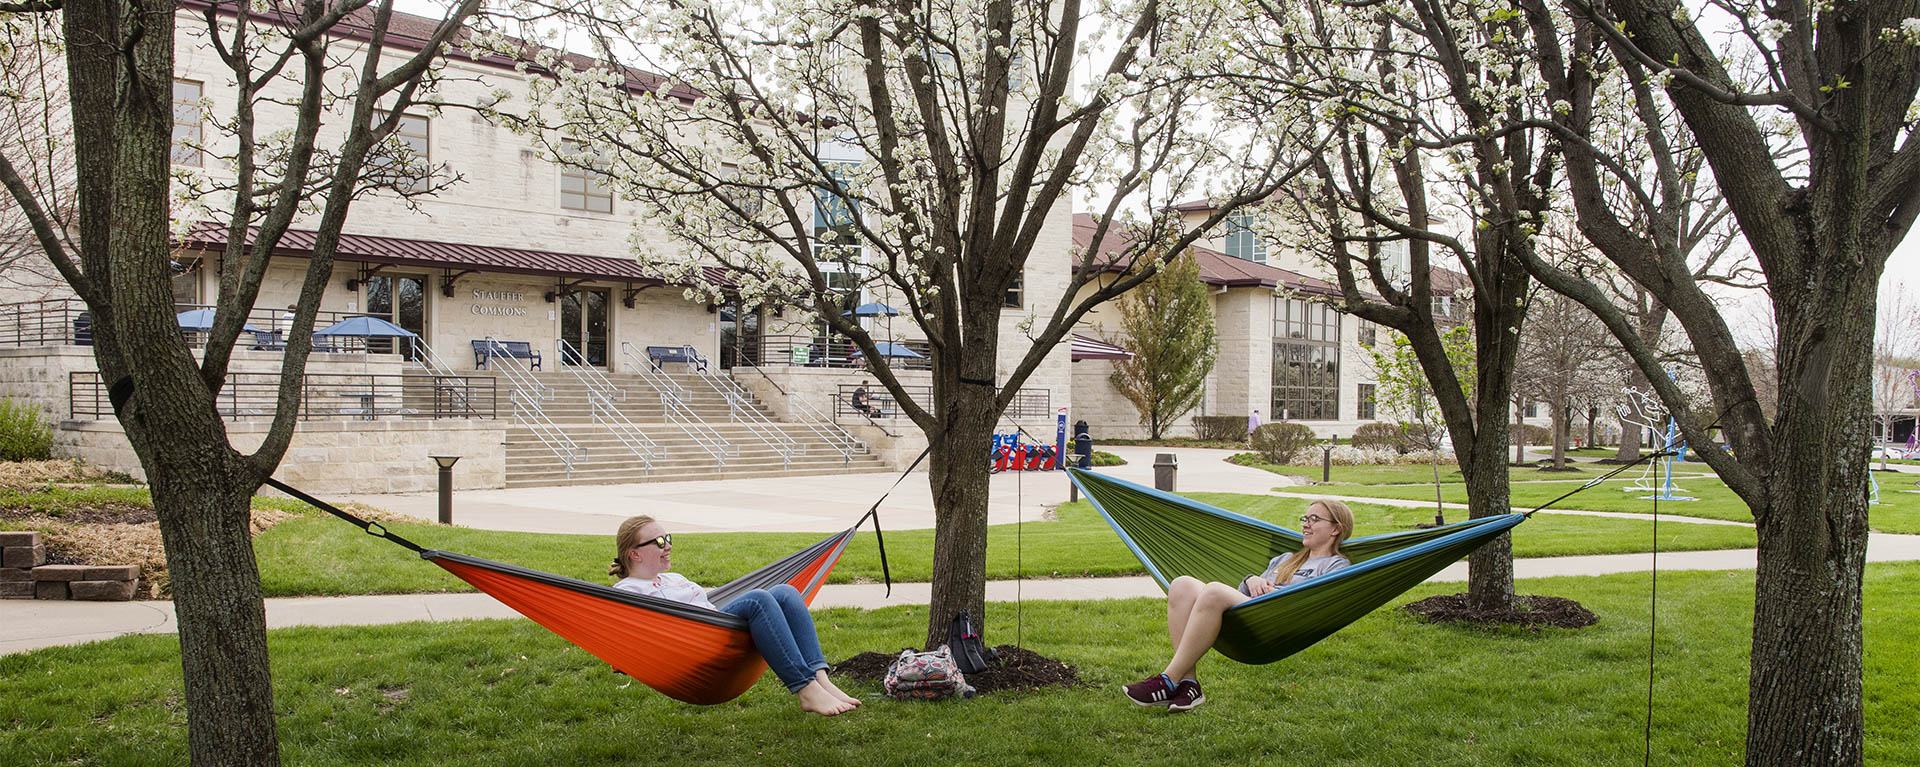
[926, 676]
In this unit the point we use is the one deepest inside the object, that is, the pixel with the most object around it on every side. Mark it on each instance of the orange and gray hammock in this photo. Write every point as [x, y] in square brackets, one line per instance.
[689, 653]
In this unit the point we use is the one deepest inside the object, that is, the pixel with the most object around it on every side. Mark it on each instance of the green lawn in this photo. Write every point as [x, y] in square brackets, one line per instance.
[319, 555]
[1401, 474]
[1385, 691]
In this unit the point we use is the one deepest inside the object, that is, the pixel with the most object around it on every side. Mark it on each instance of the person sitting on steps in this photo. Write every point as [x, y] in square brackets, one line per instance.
[777, 618]
[1194, 609]
[862, 401]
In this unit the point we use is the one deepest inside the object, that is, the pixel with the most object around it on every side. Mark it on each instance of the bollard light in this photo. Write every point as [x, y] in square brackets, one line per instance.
[446, 462]
[1326, 458]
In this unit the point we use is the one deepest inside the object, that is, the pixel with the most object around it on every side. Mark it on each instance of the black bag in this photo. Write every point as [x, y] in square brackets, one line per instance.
[969, 651]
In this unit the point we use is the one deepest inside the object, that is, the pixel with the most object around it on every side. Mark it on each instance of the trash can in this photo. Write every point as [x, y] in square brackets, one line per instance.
[1164, 467]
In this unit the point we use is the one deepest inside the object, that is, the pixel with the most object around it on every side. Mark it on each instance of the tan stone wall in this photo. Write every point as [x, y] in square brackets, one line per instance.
[334, 457]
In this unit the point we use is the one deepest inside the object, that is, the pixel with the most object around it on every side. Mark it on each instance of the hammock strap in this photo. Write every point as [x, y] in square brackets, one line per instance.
[1602, 478]
[886, 574]
[373, 528]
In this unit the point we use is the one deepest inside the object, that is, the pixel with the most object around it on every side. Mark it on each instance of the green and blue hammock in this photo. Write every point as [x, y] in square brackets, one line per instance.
[1175, 536]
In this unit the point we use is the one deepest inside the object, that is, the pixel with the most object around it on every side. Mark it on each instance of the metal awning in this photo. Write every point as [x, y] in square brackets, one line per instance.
[1085, 348]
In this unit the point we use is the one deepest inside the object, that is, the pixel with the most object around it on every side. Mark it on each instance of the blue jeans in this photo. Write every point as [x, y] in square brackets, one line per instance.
[783, 632]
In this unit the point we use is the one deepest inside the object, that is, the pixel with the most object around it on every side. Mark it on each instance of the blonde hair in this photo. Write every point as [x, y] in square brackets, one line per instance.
[1342, 516]
[626, 541]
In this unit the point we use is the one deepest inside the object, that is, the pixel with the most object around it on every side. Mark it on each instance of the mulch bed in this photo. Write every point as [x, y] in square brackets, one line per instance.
[1534, 612]
[1013, 668]
[99, 514]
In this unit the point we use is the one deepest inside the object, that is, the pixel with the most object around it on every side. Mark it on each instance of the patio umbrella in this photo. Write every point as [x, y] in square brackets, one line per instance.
[890, 349]
[366, 327]
[874, 309]
[202, 320]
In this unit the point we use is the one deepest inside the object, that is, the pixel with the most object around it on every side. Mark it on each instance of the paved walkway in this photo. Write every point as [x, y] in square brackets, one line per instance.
[797, 504]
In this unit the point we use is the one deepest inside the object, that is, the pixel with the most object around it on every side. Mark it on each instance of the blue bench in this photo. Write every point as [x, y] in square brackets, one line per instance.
[484, 350]
[663, 354]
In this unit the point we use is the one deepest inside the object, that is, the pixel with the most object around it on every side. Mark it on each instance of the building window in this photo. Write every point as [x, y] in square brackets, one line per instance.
[583, 179]
[1242, 241]
[405, 165]
[189, 132]
[1016, 291]
[1306, 361]
[1443, 306]
[1369, 335]
[1533, 410]
[1365, 396]
[836, 217]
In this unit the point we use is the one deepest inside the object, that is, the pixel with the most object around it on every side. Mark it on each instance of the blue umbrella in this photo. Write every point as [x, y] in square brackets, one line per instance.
[366, 327]
[891, 349]
[875, 309]
[202, 319]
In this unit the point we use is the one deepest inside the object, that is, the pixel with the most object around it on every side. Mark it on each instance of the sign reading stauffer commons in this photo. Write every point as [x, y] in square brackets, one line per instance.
[497, 305]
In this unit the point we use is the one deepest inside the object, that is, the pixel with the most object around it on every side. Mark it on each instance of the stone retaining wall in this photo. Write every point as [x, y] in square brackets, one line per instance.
[28, 576]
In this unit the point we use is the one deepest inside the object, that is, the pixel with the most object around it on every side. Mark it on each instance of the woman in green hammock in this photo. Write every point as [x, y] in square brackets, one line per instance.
[1194, 608]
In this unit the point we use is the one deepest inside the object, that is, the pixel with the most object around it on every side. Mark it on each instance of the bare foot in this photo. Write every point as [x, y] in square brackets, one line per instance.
[816, 698]
[822, 678]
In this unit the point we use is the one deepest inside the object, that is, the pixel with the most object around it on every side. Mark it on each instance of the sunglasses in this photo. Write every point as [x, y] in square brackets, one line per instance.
[662, 541]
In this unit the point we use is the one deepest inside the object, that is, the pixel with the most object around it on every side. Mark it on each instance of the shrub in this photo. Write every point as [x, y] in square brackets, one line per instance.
[23, 437]
[1280, 443]
[1220, 428]
[1381, 435]
[1536, 435]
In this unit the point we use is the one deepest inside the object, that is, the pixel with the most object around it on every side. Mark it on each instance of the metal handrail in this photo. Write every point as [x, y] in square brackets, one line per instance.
[835, 435]
[527, 394]
[601, 394]
[676, 411]
[430, 361]
[740, 408]
[255, 396]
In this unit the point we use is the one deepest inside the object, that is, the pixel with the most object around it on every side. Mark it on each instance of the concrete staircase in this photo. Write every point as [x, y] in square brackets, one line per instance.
[608, 460]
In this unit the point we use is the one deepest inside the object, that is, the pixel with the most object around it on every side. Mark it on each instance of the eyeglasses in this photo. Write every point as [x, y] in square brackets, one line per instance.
[1313, 519]
[662, 541]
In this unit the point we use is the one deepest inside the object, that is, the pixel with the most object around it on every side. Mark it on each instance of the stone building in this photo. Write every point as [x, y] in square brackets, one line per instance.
[522, 254]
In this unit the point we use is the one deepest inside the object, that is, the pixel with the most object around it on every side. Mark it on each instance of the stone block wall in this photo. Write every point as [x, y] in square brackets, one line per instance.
[334, 457]
[27, 576]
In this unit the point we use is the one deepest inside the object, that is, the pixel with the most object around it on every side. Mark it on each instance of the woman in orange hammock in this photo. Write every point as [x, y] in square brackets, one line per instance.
[778, 619]
[1194, 609]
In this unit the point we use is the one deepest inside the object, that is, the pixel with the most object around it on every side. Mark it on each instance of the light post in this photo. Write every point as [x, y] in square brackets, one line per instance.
[1326, 458]
[446, 462]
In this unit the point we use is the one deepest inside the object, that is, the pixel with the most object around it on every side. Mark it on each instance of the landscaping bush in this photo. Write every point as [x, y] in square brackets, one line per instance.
[1220, 428]
[1381, 435]
[23, 437]
[1281, 442]
[1536, 435]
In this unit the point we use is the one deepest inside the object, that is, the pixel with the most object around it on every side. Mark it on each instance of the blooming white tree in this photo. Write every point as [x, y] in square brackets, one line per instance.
[1425, 103]
[924, 151]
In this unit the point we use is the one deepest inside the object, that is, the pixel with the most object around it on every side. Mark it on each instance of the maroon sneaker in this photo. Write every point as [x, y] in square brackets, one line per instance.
[1187, 696]
[1156, 690]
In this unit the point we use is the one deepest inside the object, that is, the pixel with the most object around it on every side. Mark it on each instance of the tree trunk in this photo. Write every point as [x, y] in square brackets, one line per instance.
[1519, 432]
[1490, 567]
[203, 513]
[960, 479]
[1804, 688]
[1562, 423]
[1629, 442]
[1593, 414]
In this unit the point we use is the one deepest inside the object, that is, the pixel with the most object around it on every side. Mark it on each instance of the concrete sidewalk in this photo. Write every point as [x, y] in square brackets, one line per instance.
[820, 504]
[33, 625]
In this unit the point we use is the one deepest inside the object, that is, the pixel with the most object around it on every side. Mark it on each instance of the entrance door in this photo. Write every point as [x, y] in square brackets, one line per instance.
[583, 325]
[401, 300]
[739, 335]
